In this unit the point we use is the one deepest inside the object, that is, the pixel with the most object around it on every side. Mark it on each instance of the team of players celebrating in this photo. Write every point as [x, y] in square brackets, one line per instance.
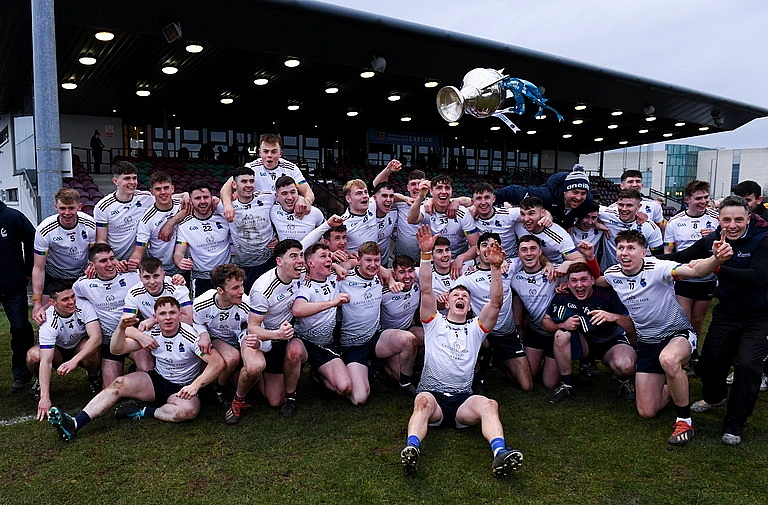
[275, 285]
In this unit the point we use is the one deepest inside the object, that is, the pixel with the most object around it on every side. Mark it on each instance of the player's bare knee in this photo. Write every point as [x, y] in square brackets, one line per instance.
[33, 356]
[491, 406]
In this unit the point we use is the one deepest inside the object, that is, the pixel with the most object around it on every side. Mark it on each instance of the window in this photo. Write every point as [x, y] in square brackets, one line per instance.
[12, 195]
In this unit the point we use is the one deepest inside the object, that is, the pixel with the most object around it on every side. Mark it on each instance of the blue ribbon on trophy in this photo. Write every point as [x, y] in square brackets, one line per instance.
[482, 93]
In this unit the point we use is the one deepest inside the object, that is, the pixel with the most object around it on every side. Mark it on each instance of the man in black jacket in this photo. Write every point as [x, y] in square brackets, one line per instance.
[736, 335]
[17, 236]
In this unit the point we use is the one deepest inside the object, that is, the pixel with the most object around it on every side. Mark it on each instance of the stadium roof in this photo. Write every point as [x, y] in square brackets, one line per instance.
[244, 40]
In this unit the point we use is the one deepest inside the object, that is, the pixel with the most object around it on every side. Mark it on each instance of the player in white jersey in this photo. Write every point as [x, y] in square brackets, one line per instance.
[534, 287]
[360, 216]
[633, 179]
[624, 217]
[585, 230]
[61, 248]
[171, 387]
[141, 297]
[153, 237]
[118, 214]
[315, 310]
[267, 169]
[683, 229]
[554, 241]
[362, 338]
[221, 320]
[405, 235]
[497, 220]
[287, 224]
[271, 298]
[205, 235]
[504, 340]
[386, 217]
[460, 230]
[107, 292]
[665, 338]
[70, 337]
[441, 271]
[445, 391]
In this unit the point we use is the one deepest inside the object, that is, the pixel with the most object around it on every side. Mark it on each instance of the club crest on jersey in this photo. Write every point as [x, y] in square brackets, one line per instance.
[237, 316]
[83, 234]
[643, 283]
[122, 283]
[181, 347]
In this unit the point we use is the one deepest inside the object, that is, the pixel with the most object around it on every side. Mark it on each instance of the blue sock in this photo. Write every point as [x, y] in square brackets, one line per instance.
[413, 440]
[498, 445]
[82, 419]
[149, 412]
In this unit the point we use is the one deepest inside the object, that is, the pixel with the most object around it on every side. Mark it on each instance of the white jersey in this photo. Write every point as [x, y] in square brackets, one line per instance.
[288, 226]
[536, 293]
[683, 230]
[478, 282]
[147, 234]
[455, 230]
[441, 282]
[207, 241]
[556, 243]
[405, 233]
[361, 227]
[107, 297]
[650, 299]
[650, 207]
[502, 221]
[140, 301]
[265, 178]
[318, 328]
[385, 230]
[224, 323]
[177, 358]
[450, 354]
[611, 220]
[66, 332]
[251, 230]
[121, 220]
[272, 298]
[66, 250]
[594, 237]
[397, 309]
[360, 318]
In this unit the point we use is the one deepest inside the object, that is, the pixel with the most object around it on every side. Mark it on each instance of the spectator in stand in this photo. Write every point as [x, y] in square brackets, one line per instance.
[97, 148]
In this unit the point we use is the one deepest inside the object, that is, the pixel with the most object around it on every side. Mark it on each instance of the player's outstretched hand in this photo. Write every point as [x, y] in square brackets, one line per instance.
[425, 238]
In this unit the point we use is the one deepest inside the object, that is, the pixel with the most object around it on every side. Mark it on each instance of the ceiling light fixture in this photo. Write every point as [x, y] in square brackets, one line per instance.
[580, 107]
[291, 63]
[194, 48]
[531, 132]
[598, 139]
[612, 126]
[104, 36]
[87, 60]
[667, 135]
[352, 113]
[495, 128]
[616, 113]
[650, 118]
[69, 85]
[170, 69]
[542, 116]
[680, 123]
[703, 128]
[405, 118]
[567, 135]
[367, 74]
[430, 84]
[453, 123]
[577, 121]
[393, 98]
[623, 142]
[293, 106]
[261, 81]
[227, 100]
[331, 90]
[142, 92]
[642, 131]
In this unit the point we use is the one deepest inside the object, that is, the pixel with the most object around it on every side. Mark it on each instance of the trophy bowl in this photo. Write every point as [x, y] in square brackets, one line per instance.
[481, 95]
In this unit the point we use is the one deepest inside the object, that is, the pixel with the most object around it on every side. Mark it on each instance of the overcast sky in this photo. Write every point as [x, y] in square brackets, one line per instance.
[713, 46]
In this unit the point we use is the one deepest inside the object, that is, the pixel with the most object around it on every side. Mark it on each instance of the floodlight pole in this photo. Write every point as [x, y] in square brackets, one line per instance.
[46, 110]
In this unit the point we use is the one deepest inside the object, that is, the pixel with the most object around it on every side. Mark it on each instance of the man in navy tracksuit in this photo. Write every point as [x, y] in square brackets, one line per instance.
[739, 329]
[17, 236]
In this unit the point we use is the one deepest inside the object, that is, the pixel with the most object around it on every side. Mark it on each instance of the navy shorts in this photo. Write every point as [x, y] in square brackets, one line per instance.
[318, 356]
[648, 354]
[542, 341]
[362, 353]
[275, 357]
[164, 388]
[701, 291]
[449, 403]
[67, 354]
[506, 346]
[106, 354]
[598, 350]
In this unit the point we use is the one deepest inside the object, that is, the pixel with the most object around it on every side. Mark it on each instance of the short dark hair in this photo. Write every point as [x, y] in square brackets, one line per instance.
[531, 202]
[576, 268]
[122, 167]
[167, 300]
[632, 194]
[403, 261]
[694, 186]
[482, 187]
[529, 238]
[734, 201]
[150, 264]
[270, 138]
[441, 179]
[159, 176]
[342, 228]
[626, 174]
[57, 286]
[284, 246]
[417, 174]
[314, 248]
[199, 184]
[441, 241]
[283, 181]
[489, 234]
[383, 185]
[632, 236]
[746, 188]
[222, 273]
[237, 172]
[101, 247]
